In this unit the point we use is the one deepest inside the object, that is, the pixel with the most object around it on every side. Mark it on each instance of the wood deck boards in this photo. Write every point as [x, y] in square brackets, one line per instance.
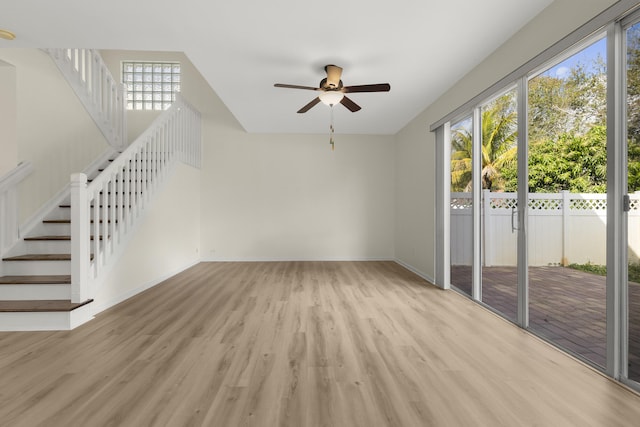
[300, 344]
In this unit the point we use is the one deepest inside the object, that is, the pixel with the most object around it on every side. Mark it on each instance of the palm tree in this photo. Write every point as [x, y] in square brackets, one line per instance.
[461, 165]
[499, 139]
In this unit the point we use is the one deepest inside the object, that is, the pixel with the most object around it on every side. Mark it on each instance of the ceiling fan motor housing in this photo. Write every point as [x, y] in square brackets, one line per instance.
[326, 85]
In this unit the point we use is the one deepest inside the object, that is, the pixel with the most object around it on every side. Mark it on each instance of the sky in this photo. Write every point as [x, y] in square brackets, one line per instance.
[585, 57]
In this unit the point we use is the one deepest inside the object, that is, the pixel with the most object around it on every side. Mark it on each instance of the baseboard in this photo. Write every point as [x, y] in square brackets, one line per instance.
[414, 270]
[100, 306]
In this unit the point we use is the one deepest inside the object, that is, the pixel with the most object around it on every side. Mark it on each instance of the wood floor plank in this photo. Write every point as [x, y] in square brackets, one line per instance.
[300, 344]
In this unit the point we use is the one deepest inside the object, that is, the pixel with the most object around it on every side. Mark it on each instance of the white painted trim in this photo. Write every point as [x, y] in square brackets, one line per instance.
[45, 320]
[423, 275]
[15, 175]
[80, 315]
[43, 291]
[100, 306]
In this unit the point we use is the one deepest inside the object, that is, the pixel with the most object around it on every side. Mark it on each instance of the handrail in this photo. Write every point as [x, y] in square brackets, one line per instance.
[110, 205]
[9, 219]
[99, 92]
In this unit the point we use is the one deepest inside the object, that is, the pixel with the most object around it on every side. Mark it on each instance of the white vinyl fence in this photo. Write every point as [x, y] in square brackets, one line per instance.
[563, 228]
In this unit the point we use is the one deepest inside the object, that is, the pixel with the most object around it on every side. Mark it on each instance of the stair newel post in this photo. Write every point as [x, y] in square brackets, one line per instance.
[79, 238]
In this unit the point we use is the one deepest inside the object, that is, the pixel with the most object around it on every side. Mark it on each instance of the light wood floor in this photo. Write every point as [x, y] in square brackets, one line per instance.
[300, 344]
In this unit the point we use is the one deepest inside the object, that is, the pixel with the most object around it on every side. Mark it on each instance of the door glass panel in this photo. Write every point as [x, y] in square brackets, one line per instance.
[499, 178]
[567, 209]
[633, 179]
[461, 206]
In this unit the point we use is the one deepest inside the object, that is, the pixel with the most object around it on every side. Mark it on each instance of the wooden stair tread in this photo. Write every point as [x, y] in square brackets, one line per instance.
[35, 280]
[66, 221]
[101, 206]
[21, 306]
[40, 257]
[50, 238]
[37, 238]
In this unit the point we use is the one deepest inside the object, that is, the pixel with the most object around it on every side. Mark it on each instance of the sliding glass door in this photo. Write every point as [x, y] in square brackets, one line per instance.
[565, 184]
[545, 200]
[461, 205]
[633, 190]
[499, 184]
[567, 211]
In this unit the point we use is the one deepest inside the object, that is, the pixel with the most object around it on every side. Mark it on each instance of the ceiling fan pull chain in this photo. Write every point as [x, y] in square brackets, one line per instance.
[331, 129]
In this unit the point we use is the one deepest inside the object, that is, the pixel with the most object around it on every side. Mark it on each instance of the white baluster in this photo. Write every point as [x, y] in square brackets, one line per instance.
[110, 238]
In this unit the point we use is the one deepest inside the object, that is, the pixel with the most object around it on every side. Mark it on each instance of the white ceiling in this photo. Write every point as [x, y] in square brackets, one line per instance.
[243, 47]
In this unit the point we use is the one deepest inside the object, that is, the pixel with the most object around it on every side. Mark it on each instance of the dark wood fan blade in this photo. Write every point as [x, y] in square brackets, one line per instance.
[380, 87]
[295, 86]
[309, 105]
[352, 106]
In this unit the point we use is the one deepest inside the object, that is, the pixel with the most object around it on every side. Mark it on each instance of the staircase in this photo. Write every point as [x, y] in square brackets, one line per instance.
[50, 277]
[35, 292]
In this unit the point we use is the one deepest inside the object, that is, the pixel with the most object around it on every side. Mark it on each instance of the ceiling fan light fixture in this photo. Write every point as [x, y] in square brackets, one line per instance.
[331, 97]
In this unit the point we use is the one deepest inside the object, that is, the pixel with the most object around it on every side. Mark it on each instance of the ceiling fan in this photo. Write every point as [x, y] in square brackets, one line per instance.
[333, 91]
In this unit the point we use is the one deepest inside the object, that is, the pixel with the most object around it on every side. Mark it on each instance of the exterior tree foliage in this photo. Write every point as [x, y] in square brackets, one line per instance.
[573, 162]
[567, 132]
[567, 105]
[499, 138]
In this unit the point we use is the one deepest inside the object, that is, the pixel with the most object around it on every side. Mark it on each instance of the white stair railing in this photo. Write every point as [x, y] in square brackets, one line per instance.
[9, 219]
[104, 212]
[101, 94]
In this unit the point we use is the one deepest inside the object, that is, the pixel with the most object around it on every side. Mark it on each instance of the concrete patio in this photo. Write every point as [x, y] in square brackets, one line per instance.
[567, 307]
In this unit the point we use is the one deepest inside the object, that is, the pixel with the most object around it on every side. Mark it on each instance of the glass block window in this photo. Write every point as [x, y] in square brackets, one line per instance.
[151, 85]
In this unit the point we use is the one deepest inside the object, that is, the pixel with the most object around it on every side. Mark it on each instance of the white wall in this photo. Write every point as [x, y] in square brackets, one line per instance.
[415, 145]
[54, 132]
[283, 196]
[166, 241]
[8, 117]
